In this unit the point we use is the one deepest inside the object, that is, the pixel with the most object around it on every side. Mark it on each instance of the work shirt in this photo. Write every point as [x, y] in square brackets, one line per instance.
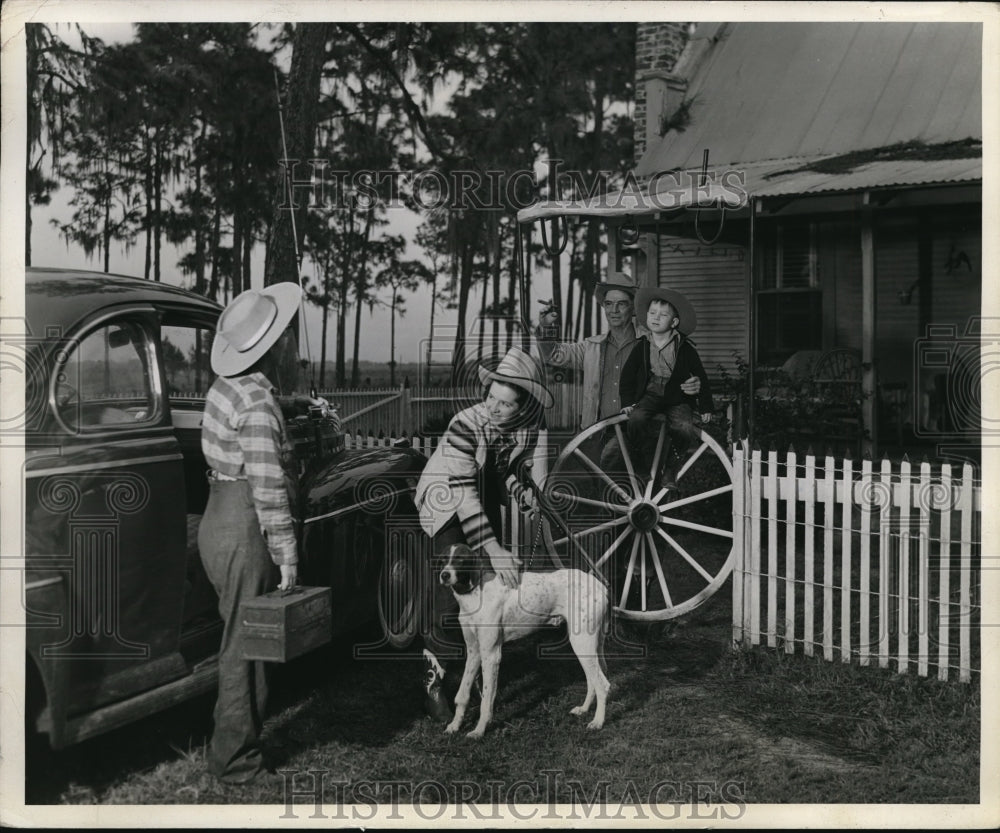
[243, 437]
[615, 353]
[601, 361]
[662, 359]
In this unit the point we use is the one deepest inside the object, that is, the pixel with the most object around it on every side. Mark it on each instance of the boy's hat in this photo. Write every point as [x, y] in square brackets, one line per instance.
[615, 281]
[685, 312]
[251, 324]
[519, 368]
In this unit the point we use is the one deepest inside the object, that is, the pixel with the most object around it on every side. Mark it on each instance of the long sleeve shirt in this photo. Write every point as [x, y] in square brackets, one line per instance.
[243, 436]
[450, 483]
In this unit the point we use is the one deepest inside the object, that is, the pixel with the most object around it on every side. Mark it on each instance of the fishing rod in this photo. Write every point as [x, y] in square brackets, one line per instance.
[295, 239]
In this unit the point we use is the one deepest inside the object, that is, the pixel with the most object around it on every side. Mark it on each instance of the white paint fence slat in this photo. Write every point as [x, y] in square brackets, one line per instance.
[907, 520]
[790, 503]
[771, 494]
[809, 636]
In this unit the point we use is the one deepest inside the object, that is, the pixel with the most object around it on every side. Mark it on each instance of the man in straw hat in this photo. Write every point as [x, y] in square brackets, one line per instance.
[600, 357]
[248, 525]
[462, 489]
[660, 373]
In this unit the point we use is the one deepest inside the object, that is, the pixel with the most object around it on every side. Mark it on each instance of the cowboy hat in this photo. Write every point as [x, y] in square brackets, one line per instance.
[617, 280]
[251, 324]
[685, 312]
[520, 369]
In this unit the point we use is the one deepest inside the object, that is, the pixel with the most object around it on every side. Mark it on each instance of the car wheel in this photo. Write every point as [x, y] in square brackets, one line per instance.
[399, 596]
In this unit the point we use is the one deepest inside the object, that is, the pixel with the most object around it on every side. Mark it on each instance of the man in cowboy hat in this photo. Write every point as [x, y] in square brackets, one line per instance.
[248, 525]
[653, 379]
[601, 357]
[462, 489]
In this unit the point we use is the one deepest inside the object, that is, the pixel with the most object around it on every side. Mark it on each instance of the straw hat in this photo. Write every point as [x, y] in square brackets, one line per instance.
[518, 368]
[251, 324]
[616, 280]
[685, 312]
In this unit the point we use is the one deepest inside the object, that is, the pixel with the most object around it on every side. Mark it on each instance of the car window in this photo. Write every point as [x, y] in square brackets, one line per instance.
[187, 354]
[105, 379]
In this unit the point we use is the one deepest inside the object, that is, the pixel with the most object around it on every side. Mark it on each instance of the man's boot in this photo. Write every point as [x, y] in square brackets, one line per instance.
[435, 702]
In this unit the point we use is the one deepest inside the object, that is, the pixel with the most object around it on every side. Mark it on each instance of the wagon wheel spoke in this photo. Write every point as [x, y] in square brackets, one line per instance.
[628, 459]
[674, 504]
[686, 556]
[660, 438]
[599, 504]
[594, 468]
[600, 527]
[655, 556]
[642, 574]
[630, 571]
[711, 530]
[691, 460]
[614, 546]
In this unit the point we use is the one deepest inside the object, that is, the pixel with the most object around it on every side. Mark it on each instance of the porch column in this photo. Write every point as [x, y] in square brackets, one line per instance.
[868, 299]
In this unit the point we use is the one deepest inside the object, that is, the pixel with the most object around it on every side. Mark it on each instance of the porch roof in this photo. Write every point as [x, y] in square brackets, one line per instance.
[901, 166]
[809, 108]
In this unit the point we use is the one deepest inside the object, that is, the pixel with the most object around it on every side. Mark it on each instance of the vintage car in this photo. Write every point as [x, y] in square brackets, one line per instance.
[121, 619]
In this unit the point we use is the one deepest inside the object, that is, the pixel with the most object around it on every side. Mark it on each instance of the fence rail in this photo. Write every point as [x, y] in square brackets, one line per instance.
[874, 563]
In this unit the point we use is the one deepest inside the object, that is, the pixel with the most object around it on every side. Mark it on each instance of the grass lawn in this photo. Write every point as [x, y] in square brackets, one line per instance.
[759, 727]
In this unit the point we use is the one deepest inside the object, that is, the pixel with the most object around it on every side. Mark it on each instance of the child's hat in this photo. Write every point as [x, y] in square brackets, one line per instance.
[685, 312]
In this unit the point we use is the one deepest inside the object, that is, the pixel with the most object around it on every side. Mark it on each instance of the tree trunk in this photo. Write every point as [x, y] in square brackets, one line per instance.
[106, 234]
[158, 217]
[199, 228]
[430, 336]
[322, 349]
[496, 241]
[300, 115]
[247, 249]
[213, 284]
[392, 341]
[148, 191]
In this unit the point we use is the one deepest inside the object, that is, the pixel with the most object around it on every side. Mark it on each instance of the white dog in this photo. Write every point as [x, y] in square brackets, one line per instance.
[491, 614]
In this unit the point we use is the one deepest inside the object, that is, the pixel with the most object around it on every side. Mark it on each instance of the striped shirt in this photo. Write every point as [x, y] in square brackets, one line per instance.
[451, 481]
[243, 436]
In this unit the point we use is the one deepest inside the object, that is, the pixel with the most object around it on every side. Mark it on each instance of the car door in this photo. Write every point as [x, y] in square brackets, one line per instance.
[105, 530]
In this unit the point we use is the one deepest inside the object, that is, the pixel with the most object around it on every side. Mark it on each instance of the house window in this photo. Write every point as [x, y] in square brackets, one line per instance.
[789, 298]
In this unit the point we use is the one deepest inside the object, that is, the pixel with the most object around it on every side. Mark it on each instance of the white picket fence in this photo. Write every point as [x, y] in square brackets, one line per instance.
[874, 563]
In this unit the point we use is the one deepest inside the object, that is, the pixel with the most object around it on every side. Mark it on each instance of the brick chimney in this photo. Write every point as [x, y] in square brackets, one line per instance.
[657, 48]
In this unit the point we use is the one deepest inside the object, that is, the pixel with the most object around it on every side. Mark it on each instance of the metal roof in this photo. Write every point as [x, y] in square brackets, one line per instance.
[776, 177]
[811, 108]
[783, 90]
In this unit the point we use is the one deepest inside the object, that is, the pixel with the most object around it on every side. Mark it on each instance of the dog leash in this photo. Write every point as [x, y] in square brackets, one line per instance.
[555, 517]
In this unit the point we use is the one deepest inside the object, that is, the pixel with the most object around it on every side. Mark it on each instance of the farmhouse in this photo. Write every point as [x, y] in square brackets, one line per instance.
[815, 189]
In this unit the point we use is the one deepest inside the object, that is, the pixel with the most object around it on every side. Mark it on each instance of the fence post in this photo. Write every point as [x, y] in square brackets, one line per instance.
[864, 601]
[944, 573]
[846, 580]
[739, 545]
[967, 507]
[405, 414]
[791, 496]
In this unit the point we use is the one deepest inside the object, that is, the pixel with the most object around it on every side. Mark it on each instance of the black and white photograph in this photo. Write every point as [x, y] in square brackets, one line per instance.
[553, 414]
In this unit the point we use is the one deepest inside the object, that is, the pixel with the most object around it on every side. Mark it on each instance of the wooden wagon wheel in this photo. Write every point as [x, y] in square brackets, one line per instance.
[663, 553]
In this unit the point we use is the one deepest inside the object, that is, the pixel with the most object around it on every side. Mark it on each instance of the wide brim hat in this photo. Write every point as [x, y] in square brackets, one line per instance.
[685, 312]
[251, 324]
[618, 281]
[519, 368]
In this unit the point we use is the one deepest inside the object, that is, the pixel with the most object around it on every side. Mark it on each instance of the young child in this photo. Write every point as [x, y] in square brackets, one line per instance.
[664, 375]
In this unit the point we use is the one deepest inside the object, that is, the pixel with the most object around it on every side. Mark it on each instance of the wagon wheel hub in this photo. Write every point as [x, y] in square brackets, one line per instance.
[662, 553]
[644, 516]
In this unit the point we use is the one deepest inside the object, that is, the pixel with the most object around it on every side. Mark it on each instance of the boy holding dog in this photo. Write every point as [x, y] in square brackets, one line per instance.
[664, 375]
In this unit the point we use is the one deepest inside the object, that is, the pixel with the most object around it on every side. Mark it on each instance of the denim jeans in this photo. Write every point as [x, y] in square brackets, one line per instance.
[239, 566]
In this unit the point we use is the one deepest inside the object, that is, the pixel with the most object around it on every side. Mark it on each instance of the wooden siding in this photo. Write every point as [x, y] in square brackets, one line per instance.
[714, 280]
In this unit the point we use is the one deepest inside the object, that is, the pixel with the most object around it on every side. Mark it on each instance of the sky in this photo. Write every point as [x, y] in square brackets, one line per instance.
[49, 248]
